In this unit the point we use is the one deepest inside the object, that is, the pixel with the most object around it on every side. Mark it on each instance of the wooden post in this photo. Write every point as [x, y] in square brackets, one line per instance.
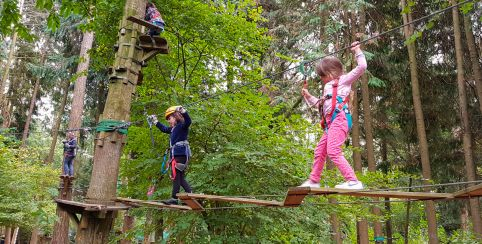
[108, 149]
[61, 228]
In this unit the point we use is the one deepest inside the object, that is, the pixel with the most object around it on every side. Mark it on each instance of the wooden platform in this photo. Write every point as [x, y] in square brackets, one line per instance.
[152, 204]
[80, 207]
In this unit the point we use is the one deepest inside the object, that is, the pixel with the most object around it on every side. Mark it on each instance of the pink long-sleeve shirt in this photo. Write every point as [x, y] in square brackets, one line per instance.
[344, 85]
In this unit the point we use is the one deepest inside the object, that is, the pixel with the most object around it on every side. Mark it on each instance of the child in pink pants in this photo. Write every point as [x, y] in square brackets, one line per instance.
[336, 118]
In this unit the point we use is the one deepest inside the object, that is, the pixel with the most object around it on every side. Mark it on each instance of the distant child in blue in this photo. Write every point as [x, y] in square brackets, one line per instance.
[155, 18]
[178, 130]
[70, 145]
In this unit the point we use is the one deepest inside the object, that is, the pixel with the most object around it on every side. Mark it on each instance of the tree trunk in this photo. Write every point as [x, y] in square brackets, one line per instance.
[464, 219]
[474, 57]
[103, 184]
[58, 119]
[33, 100]
[335, 225]
[367, 124]
[8, 108]
[357, 160]
[388, 210]
[362, 225]
[75, 119]
[128, 225]
[419, 119]
[8, 235]
[3, 100]
[13, 239]
[34, 236]
[464, 118]
[3, 81]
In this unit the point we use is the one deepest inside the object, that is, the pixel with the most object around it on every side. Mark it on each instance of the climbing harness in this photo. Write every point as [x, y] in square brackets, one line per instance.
[338, 104]
[173, 163]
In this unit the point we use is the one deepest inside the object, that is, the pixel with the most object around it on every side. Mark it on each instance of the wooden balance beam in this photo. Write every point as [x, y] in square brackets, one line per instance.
[191, 198]
[471, 191]
[154, 204]
[296, 195]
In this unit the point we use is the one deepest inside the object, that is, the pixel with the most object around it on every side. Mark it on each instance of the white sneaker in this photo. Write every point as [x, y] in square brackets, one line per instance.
[351, 185]
[309, 183]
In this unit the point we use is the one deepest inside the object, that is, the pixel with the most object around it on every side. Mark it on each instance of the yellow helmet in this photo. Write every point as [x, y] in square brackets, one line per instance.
[171, 110]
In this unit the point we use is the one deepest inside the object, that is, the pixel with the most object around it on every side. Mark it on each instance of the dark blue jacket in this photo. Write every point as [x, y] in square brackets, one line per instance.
[69, 147]
[177, 133]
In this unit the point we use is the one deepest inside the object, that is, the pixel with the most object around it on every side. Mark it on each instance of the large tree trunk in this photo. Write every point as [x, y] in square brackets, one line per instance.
[474, 57]
[103, 184]
[58, 119]
[464, 118]
[419, 119]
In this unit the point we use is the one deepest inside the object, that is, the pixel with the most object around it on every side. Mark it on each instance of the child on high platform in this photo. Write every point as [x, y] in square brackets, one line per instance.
[336, 118]
[155, 18]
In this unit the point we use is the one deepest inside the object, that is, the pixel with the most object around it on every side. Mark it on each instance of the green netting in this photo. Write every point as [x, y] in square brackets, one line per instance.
[109, 125]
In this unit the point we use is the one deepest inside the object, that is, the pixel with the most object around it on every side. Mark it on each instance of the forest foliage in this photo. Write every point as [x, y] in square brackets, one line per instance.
[232, 64]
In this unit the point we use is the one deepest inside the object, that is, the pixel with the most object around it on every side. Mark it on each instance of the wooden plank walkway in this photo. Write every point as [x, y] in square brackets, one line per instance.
[154, 204]
[80, 207]
[193, 196]
[296, 195]
[471, 191]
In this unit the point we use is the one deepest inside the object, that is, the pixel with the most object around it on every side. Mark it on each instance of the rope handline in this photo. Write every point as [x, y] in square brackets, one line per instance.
[303, 63]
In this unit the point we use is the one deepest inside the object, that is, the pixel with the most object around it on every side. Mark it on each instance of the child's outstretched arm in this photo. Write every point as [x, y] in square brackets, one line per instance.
[358, 71]
[309, 99]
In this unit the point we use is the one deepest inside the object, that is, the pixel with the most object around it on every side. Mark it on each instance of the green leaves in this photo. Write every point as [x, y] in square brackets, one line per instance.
[26, 187]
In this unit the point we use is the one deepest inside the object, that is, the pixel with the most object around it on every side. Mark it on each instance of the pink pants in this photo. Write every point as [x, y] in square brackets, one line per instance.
[330, 145]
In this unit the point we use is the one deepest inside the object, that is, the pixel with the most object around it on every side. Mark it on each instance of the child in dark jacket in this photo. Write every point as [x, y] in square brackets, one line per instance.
[70, 145]
[178, 130]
